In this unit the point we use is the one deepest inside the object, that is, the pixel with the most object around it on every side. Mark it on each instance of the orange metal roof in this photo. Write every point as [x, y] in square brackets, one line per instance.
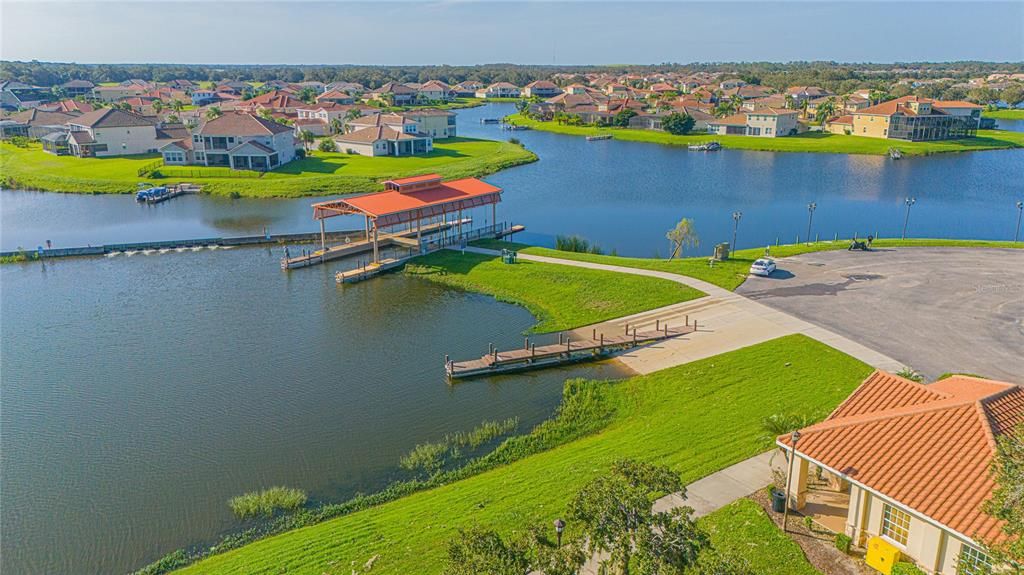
[414, 179]
[927, 447]
[392, 207]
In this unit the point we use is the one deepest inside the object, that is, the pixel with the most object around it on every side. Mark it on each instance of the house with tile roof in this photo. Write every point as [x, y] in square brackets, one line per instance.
[541, 89]
[392, 94]
[236, 140]
[384, 135]
[499, 90]
[275, 101]
[916, 119]
[335, 97]
[909, 463]
[112, 132]
[435, 90]
[77, 88]
[763, 123]
[433, 122]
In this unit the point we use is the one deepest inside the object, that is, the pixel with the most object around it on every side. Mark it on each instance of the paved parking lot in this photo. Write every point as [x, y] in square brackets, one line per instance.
[935, 309]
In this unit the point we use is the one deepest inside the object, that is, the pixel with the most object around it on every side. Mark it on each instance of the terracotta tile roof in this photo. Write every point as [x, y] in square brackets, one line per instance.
[275, 99]
[377, 133]
[847, 119]
[905, 440]
[334, 95]
[241, 124]
[733, 120]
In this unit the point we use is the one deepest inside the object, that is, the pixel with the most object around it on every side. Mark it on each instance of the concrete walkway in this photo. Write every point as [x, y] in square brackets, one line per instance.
[727, 322]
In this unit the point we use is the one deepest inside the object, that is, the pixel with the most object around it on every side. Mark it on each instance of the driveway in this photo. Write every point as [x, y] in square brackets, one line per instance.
[934, 309]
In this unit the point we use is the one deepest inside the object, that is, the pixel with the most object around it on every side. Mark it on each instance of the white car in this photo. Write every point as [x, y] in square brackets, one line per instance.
[763, 267]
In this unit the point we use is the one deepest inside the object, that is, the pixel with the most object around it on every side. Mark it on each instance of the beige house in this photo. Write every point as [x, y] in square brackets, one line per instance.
[764, 123]
[112, 132]
[435, 123]
[236, 140]
[917, 119]
[907, 466]
[384, 135]
[115, 93]
[499, 90]
[541, 89]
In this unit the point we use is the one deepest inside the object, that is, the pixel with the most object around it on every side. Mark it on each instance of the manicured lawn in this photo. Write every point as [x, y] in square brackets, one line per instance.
[806, 142]
[320, 174]
[696, 418]
[1004, 114]
[742, 529]
[562, 297]
[731, 273]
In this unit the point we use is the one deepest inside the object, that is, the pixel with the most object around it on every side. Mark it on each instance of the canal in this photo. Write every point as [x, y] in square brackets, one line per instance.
[139, 394]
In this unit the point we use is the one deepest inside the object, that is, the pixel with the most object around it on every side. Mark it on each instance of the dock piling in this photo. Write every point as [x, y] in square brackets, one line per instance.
[657, 325]
[594, 335]
[687, 319]
[526, 343]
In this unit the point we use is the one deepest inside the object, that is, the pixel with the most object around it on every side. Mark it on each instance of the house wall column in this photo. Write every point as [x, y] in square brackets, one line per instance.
[798, 484]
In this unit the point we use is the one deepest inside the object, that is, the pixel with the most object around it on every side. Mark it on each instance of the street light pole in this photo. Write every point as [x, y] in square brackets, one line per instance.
[906, 220]
[559, 527]
[735, 224]
[789, 480]
[1020, 210]
[810, 216]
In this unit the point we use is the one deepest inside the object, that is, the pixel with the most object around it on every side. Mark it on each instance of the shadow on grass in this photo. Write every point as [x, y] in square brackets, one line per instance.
[446, 262]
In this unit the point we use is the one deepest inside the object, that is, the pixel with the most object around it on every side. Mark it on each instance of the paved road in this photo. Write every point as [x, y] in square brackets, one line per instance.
[933, 309]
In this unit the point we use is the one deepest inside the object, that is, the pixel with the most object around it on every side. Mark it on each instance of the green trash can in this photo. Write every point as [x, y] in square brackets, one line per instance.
[778, 501]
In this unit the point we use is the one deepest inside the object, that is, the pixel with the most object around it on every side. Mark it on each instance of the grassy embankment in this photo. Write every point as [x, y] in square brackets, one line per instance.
[561, 297]
[321, 173]
[1004, 114]
[806, 142]
[696, 418]
[731, 273]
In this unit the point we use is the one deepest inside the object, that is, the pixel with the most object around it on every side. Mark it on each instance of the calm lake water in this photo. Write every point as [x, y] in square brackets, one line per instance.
[139, 394]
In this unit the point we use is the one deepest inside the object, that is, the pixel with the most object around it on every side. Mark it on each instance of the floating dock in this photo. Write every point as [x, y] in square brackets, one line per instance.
[167, 193]
[530, 356]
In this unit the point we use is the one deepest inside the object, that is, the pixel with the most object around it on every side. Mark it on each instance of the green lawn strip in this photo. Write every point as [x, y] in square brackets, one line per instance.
[731, 273]
[806, 142]
[742, 529]
[322, 173]
[1004, 114]
[562, 297]
[696, 418]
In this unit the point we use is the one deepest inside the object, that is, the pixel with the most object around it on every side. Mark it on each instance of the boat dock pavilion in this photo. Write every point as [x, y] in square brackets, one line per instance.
[422, 213]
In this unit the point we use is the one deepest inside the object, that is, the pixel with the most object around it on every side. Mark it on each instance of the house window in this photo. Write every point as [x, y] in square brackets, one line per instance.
[973, 562]
[895, 524]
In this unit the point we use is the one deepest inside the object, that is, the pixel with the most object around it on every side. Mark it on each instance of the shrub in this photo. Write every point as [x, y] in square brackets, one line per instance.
[327, 145]
[809, 522]
[905, 568]
[515, 141]
[576, 244]
[910, 374]
[843, 542]
[267, 502]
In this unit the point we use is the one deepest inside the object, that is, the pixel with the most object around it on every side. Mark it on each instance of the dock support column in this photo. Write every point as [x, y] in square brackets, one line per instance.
[376, 253]
[494, 215]
[419, 232]
[323, 237]
[460, 224]
[366, 224]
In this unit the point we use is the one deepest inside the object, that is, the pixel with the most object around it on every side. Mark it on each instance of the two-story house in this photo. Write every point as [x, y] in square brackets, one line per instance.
[541, 89]
[499, 90]
[236, 140]
[112, 132]
[384, 135]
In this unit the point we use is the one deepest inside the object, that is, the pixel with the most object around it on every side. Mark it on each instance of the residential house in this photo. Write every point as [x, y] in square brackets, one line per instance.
[917, 119]
[40, 122]
[578, 89]
[119, 92]
[777, 101]
[112, 132]
[236, 140]
[202, 97]
[182, 84]
[140, 105]
[275, 101]
[908, 466]
[384, 135]
[541, 89]
[731, 84]
[67, 106]
[747, 91]
[653, 121]
[433, 122]
[353, 88]
[499, 90]
[392, 94]
[467, 89]
[318, 119]
[77, 88]
[335, 97]
[318, 87]
[434, 91]
[765, 123]
[12, 128]
[801, 93]
[16, 95]
[841, 125]
[234, 87]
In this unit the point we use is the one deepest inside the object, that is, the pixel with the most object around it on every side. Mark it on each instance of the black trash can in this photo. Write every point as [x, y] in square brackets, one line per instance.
[778, 501]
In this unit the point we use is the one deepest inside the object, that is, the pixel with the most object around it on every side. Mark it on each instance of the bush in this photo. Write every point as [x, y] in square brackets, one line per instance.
[327, 145]
[576, 244]
[300, 153]
[266, 502]
[905, 568]
[843, 542]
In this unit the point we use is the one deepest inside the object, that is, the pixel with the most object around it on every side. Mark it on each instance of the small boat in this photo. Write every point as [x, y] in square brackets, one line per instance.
[895, 153]
[705, 147]
[490, 121]
[599, 137]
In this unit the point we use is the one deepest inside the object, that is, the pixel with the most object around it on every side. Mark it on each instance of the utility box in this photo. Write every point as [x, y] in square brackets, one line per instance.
[721, 252]
[881, 555]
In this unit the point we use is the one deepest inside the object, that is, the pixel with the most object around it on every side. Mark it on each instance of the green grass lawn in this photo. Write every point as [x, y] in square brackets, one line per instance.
[696, 418]
[806, 142]
[1004, 114]
[742, 529]
[731, 273]
[321, 173]
[561, 297]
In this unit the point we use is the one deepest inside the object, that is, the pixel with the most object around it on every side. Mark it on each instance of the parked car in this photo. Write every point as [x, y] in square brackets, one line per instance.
[763, 267]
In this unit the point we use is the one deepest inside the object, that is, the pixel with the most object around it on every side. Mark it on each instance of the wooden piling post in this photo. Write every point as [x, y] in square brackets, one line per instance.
[526, 343]
[666, 329]
[594, 335]
[687, 319]
[490, 348]
[533, 350]
[602, 342]
[627, 329]
[657, 325]
[495, 355]
[568, 345]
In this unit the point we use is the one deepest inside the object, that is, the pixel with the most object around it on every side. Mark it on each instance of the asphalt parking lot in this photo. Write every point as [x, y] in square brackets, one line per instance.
[935, 309]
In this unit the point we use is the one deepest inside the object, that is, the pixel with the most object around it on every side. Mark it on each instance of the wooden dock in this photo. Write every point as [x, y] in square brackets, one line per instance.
[566, 351]
[404, 238]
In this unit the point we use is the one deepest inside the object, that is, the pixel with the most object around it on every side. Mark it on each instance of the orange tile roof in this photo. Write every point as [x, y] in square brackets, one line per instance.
[392, 207]
[905, 440]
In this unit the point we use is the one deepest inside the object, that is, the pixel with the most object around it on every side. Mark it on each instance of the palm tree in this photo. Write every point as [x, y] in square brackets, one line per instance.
[158, 106]
[826, 110]
[307, 138]
[213, 113]
[790, 103]
[803, 107]
[737, 102]
[353, 113]
[336, 126]
[177, 106]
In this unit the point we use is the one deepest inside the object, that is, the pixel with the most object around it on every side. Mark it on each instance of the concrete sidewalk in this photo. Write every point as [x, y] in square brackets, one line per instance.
[727, 321]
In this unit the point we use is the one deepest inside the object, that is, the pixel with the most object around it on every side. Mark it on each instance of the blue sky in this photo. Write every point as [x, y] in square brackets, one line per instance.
[463, 32]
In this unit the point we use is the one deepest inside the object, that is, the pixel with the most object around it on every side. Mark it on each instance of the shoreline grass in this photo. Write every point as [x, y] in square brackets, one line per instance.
[266, 502]
[320, 173]
[731, 273]
[695, 418]
[1004, 114]
[561, 297]
[816, 142]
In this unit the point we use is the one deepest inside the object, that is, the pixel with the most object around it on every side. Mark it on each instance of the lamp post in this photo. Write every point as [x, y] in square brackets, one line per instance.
[906, 220]
[810, 216]
[559, 527]
[789, 480]
[735, 224]
[1016, 234]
